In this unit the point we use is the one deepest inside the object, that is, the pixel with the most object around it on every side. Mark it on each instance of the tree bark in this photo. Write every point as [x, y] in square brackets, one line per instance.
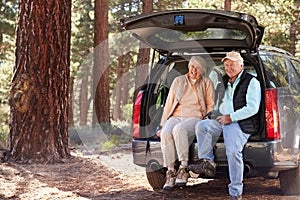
[83, 97]
[39, 95]
[101, 68]
[117, 108]
[126, 78]
[70, 104]
[227, 5]
[293, 37]
[144, 53]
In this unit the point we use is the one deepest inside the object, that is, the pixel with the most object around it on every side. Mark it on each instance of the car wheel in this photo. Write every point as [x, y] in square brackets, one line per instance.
[290, 181]
[156, 178]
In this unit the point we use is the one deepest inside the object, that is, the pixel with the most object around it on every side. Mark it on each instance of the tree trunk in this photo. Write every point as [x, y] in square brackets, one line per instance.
[144, 53]
[40, 86]
[101, 70]
[117, 108]
[227, 5]
[293, 37]
[125, 95]
[142, 66]
[83, 97]
[70, 104]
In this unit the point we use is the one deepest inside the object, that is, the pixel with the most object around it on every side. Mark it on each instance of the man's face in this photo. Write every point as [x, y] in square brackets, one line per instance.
[232, 68]
[195, 71]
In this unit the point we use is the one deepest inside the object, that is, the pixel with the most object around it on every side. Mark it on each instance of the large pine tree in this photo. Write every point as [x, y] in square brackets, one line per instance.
[40, 85]
[101, 68]
[144, 52]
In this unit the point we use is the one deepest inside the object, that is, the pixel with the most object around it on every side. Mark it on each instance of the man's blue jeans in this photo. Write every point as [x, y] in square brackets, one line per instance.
[208, 132]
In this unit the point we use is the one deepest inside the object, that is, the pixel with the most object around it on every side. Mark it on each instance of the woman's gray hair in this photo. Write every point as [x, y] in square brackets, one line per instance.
[198, 61]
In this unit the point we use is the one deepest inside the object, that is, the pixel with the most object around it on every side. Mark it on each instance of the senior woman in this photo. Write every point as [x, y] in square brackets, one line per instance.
[191, 96]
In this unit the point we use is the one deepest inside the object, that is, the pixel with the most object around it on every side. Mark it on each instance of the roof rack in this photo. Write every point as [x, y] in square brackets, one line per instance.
[274, 49]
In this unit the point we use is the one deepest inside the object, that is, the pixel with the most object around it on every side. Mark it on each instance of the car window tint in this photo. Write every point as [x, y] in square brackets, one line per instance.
[176, 69]
[276, 70]
[250, 70]
[296, 65]
[294, 75]
[171, 36]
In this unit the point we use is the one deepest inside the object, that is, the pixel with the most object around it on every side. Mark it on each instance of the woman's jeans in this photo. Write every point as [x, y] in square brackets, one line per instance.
[208, 132]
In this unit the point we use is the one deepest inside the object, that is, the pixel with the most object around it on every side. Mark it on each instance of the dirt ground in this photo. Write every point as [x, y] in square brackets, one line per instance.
[112, 175]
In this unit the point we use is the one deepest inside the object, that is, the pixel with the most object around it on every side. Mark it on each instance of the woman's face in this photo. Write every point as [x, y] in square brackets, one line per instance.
[232, 68]
[195, 71]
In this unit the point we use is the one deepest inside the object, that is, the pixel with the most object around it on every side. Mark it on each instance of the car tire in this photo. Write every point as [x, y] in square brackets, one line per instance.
[290, 181]
[156, 178]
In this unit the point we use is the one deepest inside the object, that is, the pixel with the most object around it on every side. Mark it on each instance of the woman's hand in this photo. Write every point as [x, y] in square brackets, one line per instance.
[158, 130]
[158, 133]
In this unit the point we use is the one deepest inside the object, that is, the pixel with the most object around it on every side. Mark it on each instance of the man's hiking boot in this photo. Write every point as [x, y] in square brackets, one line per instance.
[205, 168]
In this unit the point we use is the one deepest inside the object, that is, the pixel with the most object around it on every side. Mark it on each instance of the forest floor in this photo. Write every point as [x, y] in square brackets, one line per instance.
[112, 175]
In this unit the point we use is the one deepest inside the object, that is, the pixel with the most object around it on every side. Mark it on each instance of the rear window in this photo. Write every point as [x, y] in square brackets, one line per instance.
[277, 70]
[296, 65]
[170, 36]
[282, 71]
[296, 74]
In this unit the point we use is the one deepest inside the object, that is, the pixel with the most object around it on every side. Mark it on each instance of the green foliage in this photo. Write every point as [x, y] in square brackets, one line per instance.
[82, 32]
[127, 111]
[4, 130]
[168, 5]
[121, 8]
[124, 128]
[112, 142]
[8, 16]
[102, 136]
[120, 134]
[275, 16]
[91, 137]
[205, 4]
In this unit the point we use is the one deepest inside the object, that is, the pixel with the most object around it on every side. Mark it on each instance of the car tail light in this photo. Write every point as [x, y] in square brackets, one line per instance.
[272, 115]
[136, 115]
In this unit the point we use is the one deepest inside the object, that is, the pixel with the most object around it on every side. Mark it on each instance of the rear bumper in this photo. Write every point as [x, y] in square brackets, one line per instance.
[260, 157]
[142, 155]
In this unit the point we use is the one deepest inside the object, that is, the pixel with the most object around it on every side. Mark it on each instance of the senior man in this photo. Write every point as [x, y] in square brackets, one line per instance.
[238, 120]
[191, 96]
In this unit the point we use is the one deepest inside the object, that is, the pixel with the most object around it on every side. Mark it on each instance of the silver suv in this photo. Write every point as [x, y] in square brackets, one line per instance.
[177, 35]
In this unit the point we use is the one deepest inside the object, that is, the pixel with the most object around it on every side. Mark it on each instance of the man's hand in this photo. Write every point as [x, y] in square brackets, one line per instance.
[224, 119]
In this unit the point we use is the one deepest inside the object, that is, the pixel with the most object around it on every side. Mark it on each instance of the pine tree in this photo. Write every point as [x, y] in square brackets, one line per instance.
[40, 87]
